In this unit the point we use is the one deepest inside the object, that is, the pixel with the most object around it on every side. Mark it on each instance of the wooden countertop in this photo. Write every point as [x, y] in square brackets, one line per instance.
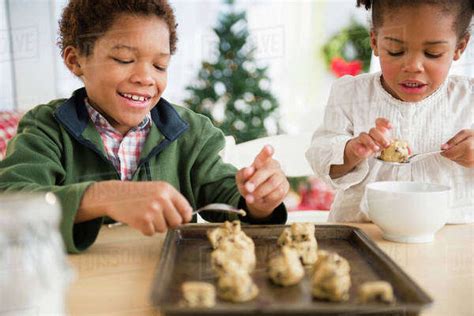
[114, 276]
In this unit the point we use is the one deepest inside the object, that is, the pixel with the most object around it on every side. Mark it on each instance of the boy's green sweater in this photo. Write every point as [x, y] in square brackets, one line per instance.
[58, 149]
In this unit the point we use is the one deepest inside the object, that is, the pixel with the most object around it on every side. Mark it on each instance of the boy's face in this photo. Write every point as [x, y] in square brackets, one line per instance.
[126, 74]
[416, 46]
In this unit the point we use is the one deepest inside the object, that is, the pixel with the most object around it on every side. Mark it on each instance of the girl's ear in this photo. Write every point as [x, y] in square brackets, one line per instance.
[461, 47]
[72, 60]
[373, 43]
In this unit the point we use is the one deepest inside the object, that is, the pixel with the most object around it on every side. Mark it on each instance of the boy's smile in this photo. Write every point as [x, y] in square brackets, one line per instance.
[126, 73]
[136, 99]
[416, 46]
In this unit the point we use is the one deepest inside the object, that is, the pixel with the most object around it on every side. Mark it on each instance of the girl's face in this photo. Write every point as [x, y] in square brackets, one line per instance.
[126, 73]
[416, 46]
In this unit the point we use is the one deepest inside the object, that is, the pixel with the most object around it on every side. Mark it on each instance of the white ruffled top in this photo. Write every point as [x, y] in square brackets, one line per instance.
[353, 106]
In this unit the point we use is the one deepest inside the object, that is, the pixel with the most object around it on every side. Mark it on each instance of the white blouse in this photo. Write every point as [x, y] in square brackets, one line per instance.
[353, 106]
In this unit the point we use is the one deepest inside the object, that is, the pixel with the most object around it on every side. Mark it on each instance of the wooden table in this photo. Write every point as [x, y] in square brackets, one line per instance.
[114, 276]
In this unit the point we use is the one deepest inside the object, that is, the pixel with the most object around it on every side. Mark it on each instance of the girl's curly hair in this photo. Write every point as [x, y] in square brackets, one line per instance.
[462, 9]
[84, 21]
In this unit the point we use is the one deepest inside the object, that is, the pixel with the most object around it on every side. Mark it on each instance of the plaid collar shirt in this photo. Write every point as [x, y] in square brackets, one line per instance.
[122, 150]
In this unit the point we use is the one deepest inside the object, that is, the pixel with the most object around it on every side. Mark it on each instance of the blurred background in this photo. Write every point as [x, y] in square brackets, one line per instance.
[287, 35]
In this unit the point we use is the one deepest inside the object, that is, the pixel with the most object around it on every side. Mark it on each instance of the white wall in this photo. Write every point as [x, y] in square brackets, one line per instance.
[33, 39]
[6, 87]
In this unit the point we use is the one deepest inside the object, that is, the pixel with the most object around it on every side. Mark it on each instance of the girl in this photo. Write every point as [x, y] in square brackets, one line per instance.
[411, 99]
[116, 148]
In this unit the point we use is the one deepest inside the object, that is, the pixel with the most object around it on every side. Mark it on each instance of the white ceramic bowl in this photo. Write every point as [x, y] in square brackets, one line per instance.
[410, 212]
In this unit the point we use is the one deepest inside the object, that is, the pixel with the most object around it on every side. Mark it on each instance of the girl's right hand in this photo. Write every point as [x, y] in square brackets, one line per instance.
[150, 207]
[363, 146]
[367, 144]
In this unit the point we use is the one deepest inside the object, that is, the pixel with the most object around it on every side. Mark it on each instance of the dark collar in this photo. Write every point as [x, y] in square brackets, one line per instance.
[73, 115]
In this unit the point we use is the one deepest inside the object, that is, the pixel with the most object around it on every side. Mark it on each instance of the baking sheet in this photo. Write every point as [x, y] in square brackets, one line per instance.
[186, 257]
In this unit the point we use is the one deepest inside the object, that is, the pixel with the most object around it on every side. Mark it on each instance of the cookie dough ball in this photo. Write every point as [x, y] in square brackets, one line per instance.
[322, 255]
[300, 236]
[198, 294]
[331, 277]
[229, 231]
[333, 258]
[223, 232]
[233, 227]
[302, 232]
[241, 240]
[285, 238]
[331, 283]
[376, 292]
[398, 151]
[286, 269]
[221, 263]
[298, 232]
[236, 286]
[229, 256]
[216, 235]
[307, 251]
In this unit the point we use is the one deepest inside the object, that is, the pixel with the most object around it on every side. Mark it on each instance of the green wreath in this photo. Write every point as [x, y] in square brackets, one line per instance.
[352, 43]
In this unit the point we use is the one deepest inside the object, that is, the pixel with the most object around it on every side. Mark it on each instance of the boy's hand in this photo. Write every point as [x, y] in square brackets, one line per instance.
[460, 148]
[150, 207]
[367, 144]
[263, 184]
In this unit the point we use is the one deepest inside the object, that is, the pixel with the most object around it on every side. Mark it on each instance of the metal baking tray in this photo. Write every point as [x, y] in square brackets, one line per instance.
[186, 257]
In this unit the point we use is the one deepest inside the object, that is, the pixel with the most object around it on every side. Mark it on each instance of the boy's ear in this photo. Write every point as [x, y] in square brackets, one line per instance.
[461, 47]
[72, 60]
[373, 43]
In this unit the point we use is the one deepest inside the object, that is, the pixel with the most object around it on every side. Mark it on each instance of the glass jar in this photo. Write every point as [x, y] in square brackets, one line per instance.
[34, 271]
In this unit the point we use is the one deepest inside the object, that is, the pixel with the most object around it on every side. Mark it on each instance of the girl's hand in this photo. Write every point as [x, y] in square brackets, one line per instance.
[363, 146]
[150, 207]
[263, 184]
[367, 144]
[460, 148]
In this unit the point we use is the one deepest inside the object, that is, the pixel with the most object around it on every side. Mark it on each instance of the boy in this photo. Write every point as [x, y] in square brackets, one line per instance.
[116, 148]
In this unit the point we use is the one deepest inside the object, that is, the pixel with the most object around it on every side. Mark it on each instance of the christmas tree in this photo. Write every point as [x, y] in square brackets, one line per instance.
[234, 91]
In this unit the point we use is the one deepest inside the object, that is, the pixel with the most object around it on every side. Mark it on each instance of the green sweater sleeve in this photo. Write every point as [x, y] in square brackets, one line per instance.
[34, 164]
[214, 180]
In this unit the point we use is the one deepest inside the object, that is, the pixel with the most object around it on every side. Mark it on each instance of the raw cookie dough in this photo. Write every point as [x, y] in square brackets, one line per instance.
[376, 291]
[300, 236]
[398, 151]
[286, 268]
[302, 232]
[285, 238]
[331, 278]
[236, 286]
[298, 232]
[241, 240]
[326, 256]
[229, 230]
[322, 255]
[198, 294]
[223, 232]
[307, 250]
[231, 256]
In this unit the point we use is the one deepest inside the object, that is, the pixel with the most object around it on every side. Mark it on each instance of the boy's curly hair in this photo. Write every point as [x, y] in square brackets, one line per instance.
[84, 21]
[462, 9]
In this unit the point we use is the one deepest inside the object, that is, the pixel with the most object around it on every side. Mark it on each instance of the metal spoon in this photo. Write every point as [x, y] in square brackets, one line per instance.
[213, 207]
[410, 158]
[220, 207]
